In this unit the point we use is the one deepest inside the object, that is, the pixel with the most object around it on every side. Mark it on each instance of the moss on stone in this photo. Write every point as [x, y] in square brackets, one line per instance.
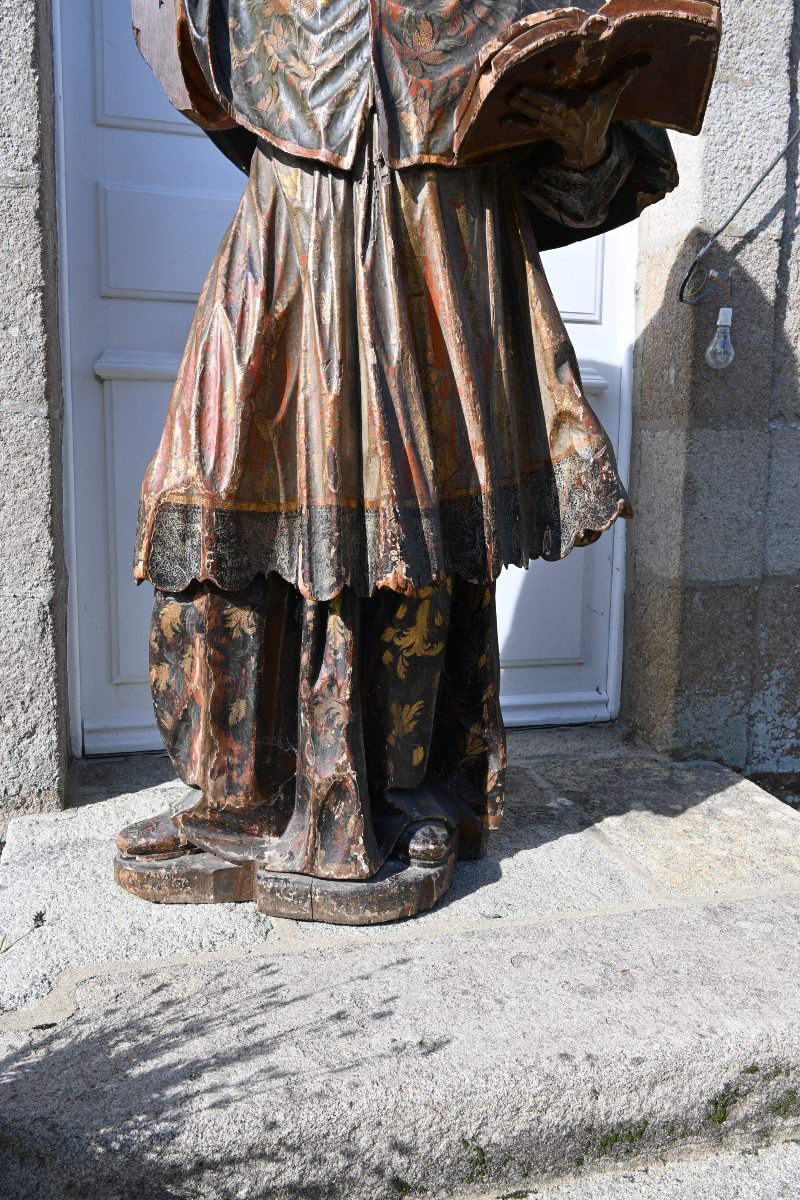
[400, 1188]
[719, 1108]
[635, 1133]
[477, 1167]
[787, 1106]
[607, 1142]
[628, 1136]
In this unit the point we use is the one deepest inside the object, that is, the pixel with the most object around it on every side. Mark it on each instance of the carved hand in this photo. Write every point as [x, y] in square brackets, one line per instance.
[579, 130]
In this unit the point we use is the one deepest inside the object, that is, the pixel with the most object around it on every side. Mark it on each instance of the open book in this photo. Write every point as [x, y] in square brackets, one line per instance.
[674, 43]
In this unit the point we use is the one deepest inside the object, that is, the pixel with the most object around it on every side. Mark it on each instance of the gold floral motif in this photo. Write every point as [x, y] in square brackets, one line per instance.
[159, 676]
[240, 621]
[405, 718]
[475, 742]
[170, 619]
[421, 639]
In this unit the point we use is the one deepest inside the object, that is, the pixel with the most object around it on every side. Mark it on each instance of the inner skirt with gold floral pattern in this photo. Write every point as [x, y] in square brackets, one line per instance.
[305, 724]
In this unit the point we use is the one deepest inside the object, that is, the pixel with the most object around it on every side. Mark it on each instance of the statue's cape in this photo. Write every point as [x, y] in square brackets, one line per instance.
[304, 73]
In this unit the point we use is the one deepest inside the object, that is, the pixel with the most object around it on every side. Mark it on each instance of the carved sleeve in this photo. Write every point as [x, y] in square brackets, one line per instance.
[569, 205]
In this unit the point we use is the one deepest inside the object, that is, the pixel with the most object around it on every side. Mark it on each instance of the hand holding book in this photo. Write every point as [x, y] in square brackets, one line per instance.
[579, 127]
[564, 74]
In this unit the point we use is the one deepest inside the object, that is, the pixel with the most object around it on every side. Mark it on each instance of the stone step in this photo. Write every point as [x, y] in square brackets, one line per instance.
[769, 1173]
[618, 982]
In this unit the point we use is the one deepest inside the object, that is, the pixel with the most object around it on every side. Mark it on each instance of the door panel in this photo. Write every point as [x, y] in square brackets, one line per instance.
[146, 200]
[167, 267]
[560, 624]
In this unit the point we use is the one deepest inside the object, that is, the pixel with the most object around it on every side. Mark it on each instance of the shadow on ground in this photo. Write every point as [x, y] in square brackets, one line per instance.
[162, 1068]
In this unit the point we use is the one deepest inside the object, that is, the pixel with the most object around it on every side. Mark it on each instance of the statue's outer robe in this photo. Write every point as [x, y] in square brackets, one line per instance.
[378, 389]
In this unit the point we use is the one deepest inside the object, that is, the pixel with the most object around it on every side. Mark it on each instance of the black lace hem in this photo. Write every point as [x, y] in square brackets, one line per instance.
[320, 549]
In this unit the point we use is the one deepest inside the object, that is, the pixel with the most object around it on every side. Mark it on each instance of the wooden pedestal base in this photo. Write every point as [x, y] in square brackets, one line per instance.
[186, 879]
[401, 889]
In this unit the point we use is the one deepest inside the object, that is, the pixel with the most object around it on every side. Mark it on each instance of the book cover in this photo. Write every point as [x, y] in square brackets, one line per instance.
[573, 50]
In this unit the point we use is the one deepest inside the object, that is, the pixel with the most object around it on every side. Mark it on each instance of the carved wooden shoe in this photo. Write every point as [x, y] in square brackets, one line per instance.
[158, 863]
[155, 837]
[426, 845]
[159, 836]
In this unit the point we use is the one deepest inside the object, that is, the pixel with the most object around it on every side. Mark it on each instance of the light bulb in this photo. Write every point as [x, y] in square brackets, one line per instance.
[719, 354]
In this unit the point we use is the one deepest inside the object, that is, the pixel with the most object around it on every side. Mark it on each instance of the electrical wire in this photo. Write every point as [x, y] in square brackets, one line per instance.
[713, 278]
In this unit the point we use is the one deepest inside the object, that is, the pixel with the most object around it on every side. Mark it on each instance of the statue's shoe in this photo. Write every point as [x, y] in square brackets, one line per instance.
[159, 836]
[431, 804]
[428, 844]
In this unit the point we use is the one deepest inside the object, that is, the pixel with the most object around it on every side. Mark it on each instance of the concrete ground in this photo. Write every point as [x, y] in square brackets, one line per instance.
[617, 985]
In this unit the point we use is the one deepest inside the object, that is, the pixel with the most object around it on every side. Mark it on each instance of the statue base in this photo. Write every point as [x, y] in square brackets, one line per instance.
[171, 859]
[401, 889]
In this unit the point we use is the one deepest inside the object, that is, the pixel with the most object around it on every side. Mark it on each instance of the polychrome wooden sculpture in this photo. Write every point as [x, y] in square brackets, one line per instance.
[378, 408]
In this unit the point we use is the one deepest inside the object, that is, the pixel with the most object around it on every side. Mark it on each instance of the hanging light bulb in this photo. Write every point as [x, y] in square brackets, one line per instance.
[719, 354]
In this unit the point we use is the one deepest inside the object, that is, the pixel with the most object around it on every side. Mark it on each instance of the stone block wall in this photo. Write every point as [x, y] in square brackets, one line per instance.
[713, 610]
[33, 687]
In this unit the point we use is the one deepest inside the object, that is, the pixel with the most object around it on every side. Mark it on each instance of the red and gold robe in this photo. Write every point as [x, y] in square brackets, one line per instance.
[378, 389]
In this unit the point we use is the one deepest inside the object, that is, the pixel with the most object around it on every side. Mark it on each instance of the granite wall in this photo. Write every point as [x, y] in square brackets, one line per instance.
[33, 687]
[712, 644]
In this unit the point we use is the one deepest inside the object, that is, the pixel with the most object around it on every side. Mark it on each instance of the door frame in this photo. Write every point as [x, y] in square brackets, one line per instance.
[616, 634]
[67, 441]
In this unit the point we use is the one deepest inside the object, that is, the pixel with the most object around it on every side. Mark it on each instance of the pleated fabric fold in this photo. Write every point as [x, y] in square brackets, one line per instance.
[377, 391]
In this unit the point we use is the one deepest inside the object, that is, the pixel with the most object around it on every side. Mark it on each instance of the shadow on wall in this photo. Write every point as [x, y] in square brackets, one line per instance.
[712, 665]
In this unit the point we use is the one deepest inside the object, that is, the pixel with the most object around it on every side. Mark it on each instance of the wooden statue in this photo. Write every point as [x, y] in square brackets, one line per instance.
[378, 408]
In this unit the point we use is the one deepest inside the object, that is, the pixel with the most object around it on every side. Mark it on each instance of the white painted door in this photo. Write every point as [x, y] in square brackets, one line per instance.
[144, 202]
[560, 624]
